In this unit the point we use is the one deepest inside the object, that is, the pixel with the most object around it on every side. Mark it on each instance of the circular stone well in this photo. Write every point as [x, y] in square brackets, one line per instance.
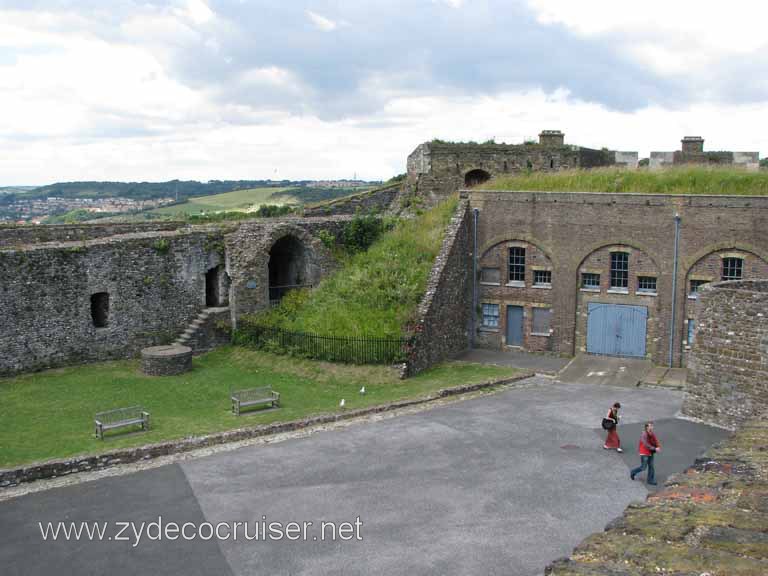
[166, 360]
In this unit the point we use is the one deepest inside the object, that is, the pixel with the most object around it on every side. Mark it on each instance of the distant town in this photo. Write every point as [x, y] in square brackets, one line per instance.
[41, 205]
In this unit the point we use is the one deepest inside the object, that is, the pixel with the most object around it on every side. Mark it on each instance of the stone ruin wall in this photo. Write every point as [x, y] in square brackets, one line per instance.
[436, 170]
[728, 376]
[155, 283]
[17, 236]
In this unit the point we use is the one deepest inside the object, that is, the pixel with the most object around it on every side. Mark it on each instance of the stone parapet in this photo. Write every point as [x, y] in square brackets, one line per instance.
[710, 520]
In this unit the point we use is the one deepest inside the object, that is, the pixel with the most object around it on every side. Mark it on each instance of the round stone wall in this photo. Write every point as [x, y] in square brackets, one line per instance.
[166, 360]
[728, 367]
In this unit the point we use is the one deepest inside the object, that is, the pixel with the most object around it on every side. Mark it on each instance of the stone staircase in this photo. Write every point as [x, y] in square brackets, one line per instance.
[203, 334]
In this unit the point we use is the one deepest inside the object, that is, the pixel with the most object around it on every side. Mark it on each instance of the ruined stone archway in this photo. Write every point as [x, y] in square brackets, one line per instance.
[288, 267]
[475, 177]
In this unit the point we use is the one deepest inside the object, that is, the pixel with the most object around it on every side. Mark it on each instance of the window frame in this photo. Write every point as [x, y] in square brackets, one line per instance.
[516, 265]
[497, 316]
[725, 267]
[641, 290]
[585, 286]
[619, 273]
[693, 294]
[542, 284]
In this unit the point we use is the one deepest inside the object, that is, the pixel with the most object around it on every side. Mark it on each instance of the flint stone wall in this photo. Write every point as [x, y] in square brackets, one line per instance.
[378, 200]
[15, 236]
[442, 329]
[728, 365]
[155, 283]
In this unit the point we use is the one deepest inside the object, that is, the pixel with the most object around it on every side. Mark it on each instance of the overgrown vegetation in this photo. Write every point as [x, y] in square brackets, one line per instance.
[683, 180]
[376, 292]
[196, 402]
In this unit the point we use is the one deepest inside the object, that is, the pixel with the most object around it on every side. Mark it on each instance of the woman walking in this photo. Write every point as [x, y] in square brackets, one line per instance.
[612, 441]
[647, 447]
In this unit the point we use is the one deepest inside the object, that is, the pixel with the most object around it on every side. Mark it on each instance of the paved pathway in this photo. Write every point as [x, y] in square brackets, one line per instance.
[500, 484]
[539, 363]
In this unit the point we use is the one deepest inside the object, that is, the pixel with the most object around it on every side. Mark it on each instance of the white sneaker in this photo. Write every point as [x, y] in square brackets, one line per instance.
[619, 450]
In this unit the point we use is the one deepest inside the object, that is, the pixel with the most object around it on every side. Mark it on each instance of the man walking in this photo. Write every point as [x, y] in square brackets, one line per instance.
[647, 447]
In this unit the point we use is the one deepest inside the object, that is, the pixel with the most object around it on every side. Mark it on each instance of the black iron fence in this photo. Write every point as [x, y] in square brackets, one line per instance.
[330, 348]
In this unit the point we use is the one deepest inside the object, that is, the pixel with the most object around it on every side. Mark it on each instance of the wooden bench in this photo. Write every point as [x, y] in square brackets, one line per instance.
[122, 417]
[254, 397]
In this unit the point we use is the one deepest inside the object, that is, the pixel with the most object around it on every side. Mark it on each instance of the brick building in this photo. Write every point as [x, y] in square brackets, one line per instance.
[593, 272]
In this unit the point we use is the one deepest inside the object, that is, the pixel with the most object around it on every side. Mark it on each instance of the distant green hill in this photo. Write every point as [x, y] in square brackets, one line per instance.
[237, 201]
[150, 190]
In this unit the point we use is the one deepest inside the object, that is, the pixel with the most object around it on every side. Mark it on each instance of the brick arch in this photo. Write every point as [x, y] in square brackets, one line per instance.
[476, 176]
[724, 246]
[621, 242]
[496, 240]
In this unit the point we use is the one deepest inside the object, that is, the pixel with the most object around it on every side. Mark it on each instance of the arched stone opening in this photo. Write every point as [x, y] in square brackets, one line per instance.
[288, 264]
[475, 177]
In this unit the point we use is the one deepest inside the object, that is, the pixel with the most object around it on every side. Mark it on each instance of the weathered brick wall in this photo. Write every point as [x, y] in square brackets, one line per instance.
[577, 229]
[14, 236]
[443, 319]
[378, 200]
[504, 293]
[728, 375]
[155, 282]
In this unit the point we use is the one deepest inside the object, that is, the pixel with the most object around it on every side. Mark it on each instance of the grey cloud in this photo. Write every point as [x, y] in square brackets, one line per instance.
[411, 46]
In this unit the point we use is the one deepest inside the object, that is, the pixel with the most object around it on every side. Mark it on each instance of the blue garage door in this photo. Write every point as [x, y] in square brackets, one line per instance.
[616, 330]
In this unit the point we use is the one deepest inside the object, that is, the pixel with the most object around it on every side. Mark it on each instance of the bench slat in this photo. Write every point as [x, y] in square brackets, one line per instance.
[254, 396]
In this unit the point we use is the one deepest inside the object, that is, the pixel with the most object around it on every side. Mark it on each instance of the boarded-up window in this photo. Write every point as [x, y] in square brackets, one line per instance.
[100, 309]
[490, 275]
[541, 321]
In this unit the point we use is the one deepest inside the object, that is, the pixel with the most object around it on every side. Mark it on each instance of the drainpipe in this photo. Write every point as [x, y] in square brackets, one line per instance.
[476, 215]
[674, 290]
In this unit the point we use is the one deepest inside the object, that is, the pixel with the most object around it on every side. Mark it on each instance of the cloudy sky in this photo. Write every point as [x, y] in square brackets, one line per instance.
[251, 89]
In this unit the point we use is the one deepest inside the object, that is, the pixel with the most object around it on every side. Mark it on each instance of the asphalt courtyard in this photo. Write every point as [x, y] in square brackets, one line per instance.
[499, 484]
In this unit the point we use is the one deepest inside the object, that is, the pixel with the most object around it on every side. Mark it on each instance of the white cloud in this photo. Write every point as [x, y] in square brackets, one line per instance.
[671, 37]
[197, 11]
[177, 90]
[321, 22]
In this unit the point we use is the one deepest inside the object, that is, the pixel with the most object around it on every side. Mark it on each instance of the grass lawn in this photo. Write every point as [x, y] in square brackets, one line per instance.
[375, 293]
[50, 414]
[683, 180]
[229, 201]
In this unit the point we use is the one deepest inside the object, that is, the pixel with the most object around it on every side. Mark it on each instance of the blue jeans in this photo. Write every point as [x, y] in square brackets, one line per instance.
[646, 462]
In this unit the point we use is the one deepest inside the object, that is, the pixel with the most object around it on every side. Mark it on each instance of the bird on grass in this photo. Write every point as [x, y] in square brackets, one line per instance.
[362, 390]
[341, 404]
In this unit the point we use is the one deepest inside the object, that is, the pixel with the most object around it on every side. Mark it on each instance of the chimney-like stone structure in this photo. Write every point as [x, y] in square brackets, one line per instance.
[693, 145]
[551, 138]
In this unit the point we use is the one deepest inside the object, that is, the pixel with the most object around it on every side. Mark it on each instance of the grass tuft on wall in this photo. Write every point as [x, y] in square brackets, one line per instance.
[375, 293]
[683, 180]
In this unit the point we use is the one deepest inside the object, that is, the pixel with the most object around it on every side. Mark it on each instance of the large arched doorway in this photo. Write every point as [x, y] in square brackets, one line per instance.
[287, 267]
[475, 177]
